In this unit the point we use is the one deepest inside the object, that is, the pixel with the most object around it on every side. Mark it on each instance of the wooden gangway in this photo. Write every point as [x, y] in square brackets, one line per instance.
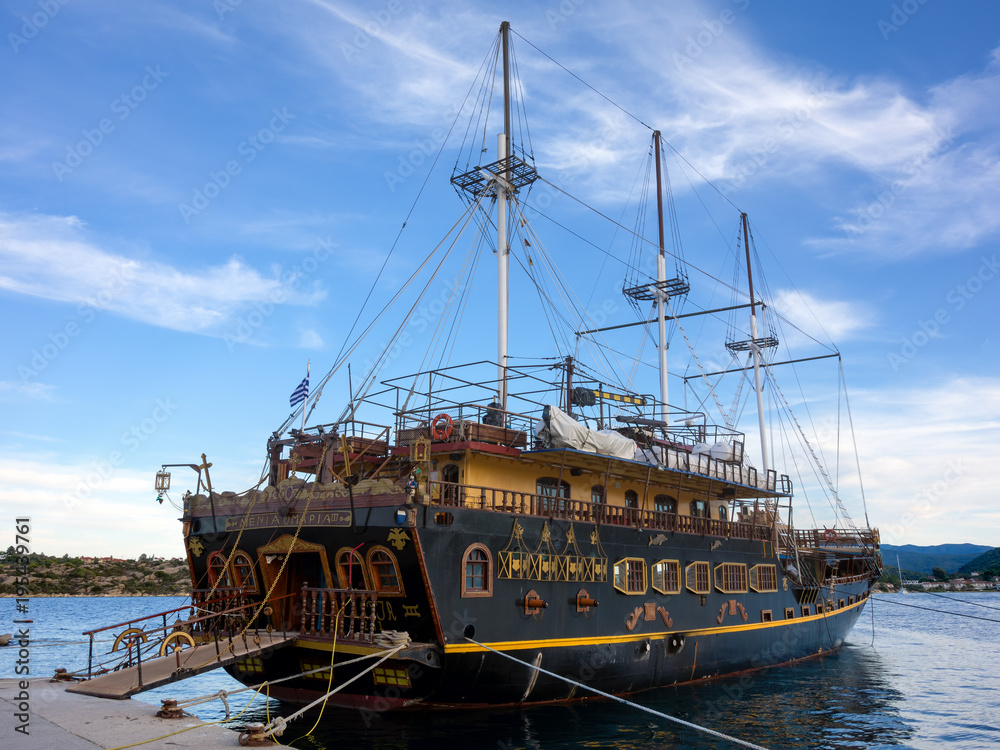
[179, 665]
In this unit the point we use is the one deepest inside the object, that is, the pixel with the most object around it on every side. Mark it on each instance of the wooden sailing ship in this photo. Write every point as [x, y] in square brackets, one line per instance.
[568, 521]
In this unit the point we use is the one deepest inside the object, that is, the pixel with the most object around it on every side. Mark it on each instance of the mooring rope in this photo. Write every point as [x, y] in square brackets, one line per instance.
[638, 706]
[279, 724]
[931, 609]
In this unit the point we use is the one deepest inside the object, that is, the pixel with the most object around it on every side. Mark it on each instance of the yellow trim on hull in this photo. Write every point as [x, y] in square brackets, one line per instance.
[462, 648]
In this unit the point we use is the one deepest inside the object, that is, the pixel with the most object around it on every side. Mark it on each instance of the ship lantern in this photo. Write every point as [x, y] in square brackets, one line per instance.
[162, 481]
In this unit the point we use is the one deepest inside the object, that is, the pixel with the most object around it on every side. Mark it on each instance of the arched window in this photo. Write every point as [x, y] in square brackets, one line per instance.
[477, 571]
[597, 493]
[699, 509]
[243, 570]
[631, 499]
[218, 573]
[723, 513]
[351, 570]
[385, 571]
[551, 487]
[664, 504]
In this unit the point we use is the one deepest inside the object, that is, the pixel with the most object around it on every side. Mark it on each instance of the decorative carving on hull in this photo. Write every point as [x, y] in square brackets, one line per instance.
[546, 563]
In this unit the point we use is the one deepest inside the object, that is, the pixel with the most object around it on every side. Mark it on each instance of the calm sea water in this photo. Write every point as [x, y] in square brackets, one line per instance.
[907, 678]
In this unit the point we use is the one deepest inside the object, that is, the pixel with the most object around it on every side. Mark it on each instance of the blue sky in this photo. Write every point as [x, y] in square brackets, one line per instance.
[195, 197]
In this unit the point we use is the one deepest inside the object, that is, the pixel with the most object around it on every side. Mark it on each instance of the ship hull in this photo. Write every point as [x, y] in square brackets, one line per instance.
[624, 642]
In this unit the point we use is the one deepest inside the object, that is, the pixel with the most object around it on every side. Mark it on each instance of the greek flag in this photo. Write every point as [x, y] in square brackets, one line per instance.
[301, 393]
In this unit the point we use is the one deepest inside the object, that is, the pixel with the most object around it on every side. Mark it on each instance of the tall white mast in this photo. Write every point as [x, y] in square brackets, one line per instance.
[503, 248]
[755, 349]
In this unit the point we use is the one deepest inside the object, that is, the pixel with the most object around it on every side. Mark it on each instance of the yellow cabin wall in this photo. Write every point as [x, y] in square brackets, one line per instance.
[517, 475]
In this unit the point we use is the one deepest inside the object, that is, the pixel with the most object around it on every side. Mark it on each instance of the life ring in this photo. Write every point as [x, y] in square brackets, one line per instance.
[830, 535]
[438, 432]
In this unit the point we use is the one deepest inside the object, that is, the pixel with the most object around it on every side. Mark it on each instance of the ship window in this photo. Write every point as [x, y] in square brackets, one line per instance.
[696, 578]
[841, 604]
[667, 576]
[731, 578]
[850, 600]
[664, 504]
[218, 573]
[243, 569]
[597, 493]
[765, 615]
[764, 578]
[722, 513]
[806, 611]
[351, 569]
[385, 571]
[551, 487]
[789, 613]
[631, 499]
[630, 575]
[820, 608]
[699, 509]
[477, 571]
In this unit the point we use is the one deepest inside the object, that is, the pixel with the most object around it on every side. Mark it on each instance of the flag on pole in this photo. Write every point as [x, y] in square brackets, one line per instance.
[301, 393]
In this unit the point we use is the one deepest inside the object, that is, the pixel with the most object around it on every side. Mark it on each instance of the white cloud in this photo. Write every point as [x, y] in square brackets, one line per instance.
[310, 339]
[18, 390]
[926, 457]
[823, 319]
[54, 257]
[87, 509]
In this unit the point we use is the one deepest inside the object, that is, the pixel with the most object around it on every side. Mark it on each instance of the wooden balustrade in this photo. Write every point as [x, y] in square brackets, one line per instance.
[547, 506]
[350, 613]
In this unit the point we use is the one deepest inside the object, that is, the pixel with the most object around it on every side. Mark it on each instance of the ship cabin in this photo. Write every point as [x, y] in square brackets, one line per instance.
[576, 449]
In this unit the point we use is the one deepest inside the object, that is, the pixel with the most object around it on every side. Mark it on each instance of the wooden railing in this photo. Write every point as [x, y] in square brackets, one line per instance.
[350, 613]
[529, 504]
[209, 618]
[839, 538]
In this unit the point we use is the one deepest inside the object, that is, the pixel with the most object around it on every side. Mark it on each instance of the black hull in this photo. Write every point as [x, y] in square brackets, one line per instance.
[625, 644]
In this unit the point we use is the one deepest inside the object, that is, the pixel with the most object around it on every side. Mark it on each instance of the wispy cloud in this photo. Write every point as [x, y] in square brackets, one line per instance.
[54, 257]
[823, 319]
[18, 390]
[738, 113]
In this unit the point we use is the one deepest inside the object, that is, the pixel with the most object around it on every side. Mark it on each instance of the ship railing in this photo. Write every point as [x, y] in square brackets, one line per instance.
[681, 458]
[840, 580]
[350, 614]
[863, 539]
[209, 617]
[525, 503]
[466, 421]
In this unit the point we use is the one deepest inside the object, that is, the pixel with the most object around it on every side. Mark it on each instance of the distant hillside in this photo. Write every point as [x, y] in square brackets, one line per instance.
[75, 576]
[951, 557]
[988, 562]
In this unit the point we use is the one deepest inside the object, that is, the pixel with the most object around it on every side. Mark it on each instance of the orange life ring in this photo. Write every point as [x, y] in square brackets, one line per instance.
[830, 535]
[442, 433]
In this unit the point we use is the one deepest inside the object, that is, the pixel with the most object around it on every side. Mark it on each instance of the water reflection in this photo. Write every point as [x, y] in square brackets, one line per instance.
[834, 701]
[929, 681]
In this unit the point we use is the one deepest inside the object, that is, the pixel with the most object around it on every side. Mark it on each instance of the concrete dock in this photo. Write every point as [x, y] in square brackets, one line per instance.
[58, 720]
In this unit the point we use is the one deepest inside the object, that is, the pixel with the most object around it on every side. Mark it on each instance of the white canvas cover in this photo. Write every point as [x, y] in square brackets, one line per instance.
[566, 432]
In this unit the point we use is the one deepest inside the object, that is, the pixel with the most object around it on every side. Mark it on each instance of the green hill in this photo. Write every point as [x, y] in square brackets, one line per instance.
[988, 562]
[74, 576]
[951, 557]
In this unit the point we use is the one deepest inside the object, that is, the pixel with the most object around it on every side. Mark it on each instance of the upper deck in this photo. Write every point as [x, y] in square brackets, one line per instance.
[450, 416]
